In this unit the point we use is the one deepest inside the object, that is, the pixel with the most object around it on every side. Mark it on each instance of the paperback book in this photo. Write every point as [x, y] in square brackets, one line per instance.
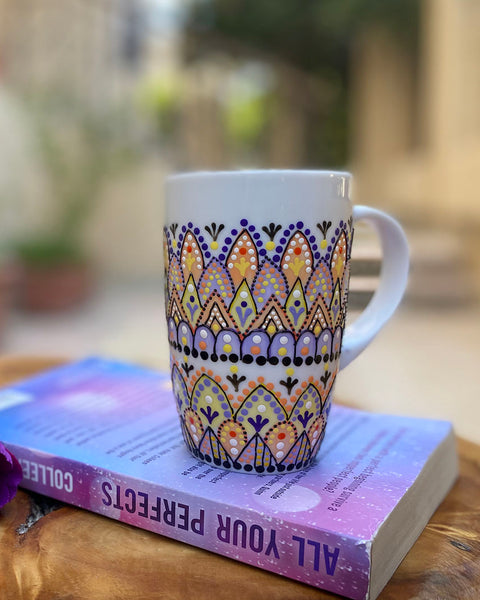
[105, 436]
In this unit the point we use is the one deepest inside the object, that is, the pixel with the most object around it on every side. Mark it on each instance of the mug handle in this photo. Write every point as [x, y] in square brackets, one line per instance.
[393, 281]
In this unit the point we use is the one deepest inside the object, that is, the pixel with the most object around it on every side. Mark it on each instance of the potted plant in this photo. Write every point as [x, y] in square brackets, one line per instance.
[79, 152]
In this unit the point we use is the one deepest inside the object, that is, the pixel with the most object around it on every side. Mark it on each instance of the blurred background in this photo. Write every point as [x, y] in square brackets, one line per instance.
[100, 99]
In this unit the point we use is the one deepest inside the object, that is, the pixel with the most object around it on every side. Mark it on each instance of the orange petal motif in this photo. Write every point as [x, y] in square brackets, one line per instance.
[191, 257]
[242, 262]
[297, 259]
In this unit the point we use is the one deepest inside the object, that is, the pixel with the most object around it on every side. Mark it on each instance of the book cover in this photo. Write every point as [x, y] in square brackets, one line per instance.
[105, 436]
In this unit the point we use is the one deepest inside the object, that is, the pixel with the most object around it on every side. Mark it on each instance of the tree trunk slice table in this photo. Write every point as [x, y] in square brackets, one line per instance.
[49, 551]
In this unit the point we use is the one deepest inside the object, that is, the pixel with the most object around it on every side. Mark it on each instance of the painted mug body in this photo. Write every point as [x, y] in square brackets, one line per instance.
[257, 272]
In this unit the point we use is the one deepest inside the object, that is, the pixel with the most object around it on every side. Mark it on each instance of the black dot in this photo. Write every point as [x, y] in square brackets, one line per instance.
[194, 352]
[260, 360]
[297, 361]
[259, 469]
[234, 358]
[273, 360]
[217, 461]
[290, 467]
[299, 465]
[332, 357]
[309, 360]
[226, 464]
[248, 467]
[186, 350]
[325, 358]
[195, 452]
[248, 359]
[199, 454]
[336, 355]
[281, 468]
[270, 468]
[286, 361]
[204, 355]
[208, 458]
[237, 466]
[213, 357]
[318, 359]
[223, 357]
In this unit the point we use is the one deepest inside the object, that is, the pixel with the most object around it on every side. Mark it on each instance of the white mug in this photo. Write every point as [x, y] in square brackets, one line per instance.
[257, 271]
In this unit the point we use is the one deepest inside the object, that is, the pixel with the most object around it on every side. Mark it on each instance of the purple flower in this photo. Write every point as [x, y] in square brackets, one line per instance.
[10, 475]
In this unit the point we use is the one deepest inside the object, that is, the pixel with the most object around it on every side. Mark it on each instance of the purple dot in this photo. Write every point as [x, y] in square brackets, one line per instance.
[248, 404]
[215, 390]
[225, 249]
[207, 382]
[311, 239]
[286, 232]
[337, 231]
[299, 224]
[332, 240]
[278, 248]
[196, 231]
[300, 404]
[190, 225]
[314, 247]
[307, 231]
[276, 258]
[234, 232]
[327, 256]
[267, 397]
[244, 222]
[243, 304]
[277, 410]
[225, 406]
[317, 255]
[251, 228]
[262, 252]
[291, 227]
[283, 240]
[256, 236]
[201, 238]
[204, 246]
[228, 240]
[341, 223]
[192, 299]
[180, 237]
[254, 397]
[244, 411]
[184, 229]
[260, 392]
[207, 255]
[259, 243]
[297, 302]
[221, 257]
[329, 248]
[201, 387]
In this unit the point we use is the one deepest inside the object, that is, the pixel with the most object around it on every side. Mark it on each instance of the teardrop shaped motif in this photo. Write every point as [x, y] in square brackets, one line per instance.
[233, 437]
[242, 308]
[297, 259]
[280, 439]
[210, 402]
[175, 277]
[259, 411]
[296, 305]
[193, 424]
[335, 307]
[339, 257]
[215, 278]
[190, 301]
[191, 257]
[269, 282]
[320, 284]
[242, 262]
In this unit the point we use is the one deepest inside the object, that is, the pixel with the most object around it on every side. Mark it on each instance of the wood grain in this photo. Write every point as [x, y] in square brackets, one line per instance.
[70, 554]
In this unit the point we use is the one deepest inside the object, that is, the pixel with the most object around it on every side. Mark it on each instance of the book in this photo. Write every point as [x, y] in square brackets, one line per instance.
[105, 436]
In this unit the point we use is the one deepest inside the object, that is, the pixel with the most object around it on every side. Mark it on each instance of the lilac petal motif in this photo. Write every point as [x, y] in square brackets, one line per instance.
[269, 282]
[10, 475]
[215, 278]
[210, 402]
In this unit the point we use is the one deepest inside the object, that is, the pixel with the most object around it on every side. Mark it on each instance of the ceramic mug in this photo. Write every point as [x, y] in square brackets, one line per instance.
[257, 272]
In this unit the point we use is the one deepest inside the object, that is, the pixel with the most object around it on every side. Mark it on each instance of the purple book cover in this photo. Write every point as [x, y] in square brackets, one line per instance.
[105, 436]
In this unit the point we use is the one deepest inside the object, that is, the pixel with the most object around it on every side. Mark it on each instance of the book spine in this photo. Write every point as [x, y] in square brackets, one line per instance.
[311, 555]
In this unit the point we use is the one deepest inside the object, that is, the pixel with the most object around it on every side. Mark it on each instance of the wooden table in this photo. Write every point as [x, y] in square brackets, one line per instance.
[55, 552]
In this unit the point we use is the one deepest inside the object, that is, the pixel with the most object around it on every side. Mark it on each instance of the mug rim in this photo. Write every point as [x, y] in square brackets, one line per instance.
[259, 173]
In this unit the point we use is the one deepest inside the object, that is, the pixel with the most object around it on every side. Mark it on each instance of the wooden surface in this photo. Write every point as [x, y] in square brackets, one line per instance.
[71, 554]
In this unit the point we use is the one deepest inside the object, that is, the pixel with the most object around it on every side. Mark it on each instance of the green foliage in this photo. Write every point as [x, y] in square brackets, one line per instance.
[245, 119]
[48, 251]
[161, 97]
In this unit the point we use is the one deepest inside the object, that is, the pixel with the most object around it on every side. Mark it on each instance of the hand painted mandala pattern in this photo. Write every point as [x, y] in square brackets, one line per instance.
[272, 296]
